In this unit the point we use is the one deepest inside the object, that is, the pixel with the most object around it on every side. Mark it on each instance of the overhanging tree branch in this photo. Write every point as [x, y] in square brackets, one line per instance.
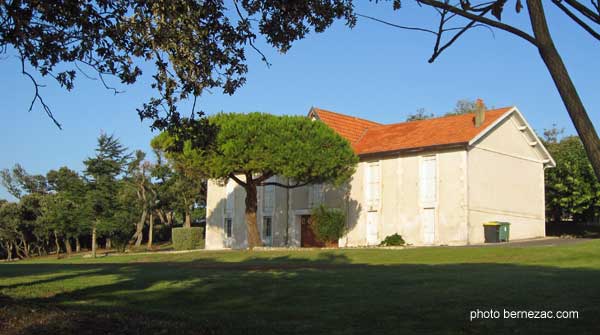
[577, 20]
[396, 25]
[237, 180]
[437, 50]
[481, 19]
[37, 96]
[284, 185]
[586, 11]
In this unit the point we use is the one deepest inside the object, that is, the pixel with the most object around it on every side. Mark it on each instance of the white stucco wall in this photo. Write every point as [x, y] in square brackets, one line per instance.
[401, 211]
[506, 182]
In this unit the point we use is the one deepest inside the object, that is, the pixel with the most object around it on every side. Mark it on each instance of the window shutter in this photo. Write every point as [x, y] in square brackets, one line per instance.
[373, 186]
[268, 199]
[428, 180]
[315, 196]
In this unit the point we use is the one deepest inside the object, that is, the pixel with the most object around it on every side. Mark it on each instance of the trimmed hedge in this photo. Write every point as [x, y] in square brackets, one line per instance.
[187, 238]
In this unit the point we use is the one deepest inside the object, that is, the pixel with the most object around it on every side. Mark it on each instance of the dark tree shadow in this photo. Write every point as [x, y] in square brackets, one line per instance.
[285, 294]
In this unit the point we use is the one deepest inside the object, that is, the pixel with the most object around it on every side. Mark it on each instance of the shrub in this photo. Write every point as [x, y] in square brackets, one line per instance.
[393, 240]
[187, 238]
[328, 224]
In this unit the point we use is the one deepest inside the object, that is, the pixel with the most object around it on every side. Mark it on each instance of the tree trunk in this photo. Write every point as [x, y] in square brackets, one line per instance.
[150, 231]
[68, 247]
[94, 241]
[254, 239]
[25, 246]
[19, 250]
[139, 229]
[170, 219]
[108, 244]
[10, 251]
[56, 243]
[563, 83]
[188, 218]
[77, 244]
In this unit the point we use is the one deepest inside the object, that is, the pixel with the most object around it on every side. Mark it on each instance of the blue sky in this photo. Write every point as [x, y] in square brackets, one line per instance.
[373, 71]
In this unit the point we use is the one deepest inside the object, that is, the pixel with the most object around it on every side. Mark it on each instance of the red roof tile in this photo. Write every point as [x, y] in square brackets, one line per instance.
[369, 137]
[349, 127]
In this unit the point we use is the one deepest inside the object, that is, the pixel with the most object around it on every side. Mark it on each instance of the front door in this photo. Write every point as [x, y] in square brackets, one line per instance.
[307, 236]
[372, 231]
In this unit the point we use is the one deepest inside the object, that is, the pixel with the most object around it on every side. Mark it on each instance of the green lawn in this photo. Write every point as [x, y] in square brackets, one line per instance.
[358, 291]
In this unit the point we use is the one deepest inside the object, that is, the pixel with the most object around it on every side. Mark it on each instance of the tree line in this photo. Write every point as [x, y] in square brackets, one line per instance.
[119, 196]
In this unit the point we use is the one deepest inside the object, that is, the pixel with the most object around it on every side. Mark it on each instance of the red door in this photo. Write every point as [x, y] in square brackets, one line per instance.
[307, 236]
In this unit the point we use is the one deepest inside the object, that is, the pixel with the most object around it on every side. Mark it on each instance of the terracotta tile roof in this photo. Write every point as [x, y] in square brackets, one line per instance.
[369, 137]
[350, 127]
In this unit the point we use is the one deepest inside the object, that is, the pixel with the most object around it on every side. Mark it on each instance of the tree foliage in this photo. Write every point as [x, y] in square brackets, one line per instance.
[104, 195]
[328, 224]
[463, 106]
[252, 148]
[192, 46]
[186, 188]
[18, 182]
[420, 114]
[572, 191]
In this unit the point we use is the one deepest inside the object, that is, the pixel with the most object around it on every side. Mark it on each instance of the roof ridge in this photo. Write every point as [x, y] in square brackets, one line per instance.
[346, 115]
[444, 117]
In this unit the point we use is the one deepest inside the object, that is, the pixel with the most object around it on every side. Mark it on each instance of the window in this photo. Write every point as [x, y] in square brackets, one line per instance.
[267, 227]
[315, 195]
[428, 180]
[373, 186]
[228, 227]
[268, 199]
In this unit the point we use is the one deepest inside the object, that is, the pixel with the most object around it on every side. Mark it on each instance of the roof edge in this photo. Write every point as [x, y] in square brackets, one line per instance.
[457, 145]
[548, 162]
[315, 111]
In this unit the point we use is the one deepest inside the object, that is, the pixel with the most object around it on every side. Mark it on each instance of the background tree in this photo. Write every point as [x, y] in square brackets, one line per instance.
[188, 182]
[251, 148]
[9, 229]
[420, 114]
[192, 46]
[18, 182]
[103, 171]
[488, 14]
[139, 179]
[572, 191]
[70, 190]
[464, 106]
[58, 214]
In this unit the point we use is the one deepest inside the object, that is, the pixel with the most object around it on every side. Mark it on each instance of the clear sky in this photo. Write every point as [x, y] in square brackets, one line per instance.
[373, 71]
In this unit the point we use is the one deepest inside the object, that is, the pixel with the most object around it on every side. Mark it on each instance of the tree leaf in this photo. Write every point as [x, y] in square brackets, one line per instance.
[497, 9]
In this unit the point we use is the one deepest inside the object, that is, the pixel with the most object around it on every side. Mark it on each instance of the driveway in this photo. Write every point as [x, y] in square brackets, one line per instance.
[536, 242]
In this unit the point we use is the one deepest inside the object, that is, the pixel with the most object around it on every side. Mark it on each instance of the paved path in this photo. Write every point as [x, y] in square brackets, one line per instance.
[537, 242]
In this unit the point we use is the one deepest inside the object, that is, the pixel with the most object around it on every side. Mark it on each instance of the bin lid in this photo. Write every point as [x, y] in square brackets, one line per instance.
[497, 223]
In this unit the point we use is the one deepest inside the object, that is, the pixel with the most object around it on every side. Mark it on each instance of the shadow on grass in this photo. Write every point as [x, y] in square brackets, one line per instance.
[292, 295]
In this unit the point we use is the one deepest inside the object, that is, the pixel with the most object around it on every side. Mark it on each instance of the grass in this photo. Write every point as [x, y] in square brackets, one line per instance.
[355, 291]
